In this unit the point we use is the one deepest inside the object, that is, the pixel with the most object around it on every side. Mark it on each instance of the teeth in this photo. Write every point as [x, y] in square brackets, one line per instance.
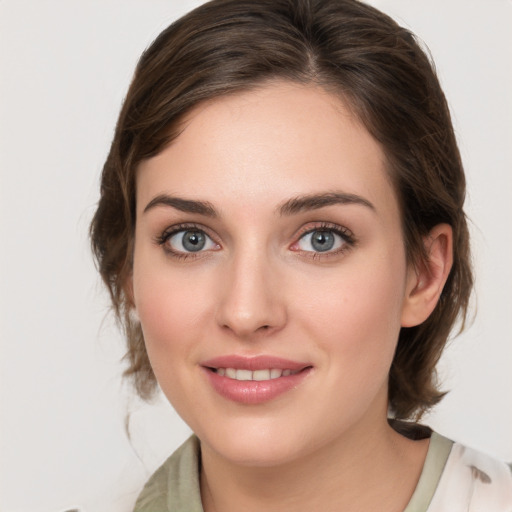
[231, 373]
[274, 374]
[243, 375]
[261, 375]
[258, 375]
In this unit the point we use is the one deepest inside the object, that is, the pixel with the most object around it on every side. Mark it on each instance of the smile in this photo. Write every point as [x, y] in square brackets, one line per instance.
[256, 375]
[254, 380]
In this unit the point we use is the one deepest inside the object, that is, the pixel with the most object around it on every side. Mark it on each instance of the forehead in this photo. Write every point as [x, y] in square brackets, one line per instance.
[260, 146]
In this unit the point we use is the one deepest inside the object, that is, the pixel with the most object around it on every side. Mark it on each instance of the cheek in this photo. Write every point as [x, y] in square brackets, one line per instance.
[355, 315]
[170, 310]
[170, 313]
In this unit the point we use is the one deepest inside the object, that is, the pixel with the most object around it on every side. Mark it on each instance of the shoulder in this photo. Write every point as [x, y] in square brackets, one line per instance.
[175, 483]
[472, 480]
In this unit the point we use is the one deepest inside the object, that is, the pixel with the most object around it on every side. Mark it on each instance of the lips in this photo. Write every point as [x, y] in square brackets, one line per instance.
[258, 375]
[254, 380]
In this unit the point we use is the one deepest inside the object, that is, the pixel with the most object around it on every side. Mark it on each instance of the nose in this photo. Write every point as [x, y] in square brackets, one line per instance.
[251, 297]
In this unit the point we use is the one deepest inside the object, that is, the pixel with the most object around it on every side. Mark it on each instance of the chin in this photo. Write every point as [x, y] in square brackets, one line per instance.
[254, 453]
[254, 444]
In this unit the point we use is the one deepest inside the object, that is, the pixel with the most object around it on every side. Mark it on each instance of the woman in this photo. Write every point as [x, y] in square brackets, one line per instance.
[281, 229]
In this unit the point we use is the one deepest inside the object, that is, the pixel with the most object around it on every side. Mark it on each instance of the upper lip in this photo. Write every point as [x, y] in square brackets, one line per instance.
[261, 362]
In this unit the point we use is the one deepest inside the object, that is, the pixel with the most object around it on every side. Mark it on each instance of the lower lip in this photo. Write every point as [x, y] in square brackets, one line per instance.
[252, 392]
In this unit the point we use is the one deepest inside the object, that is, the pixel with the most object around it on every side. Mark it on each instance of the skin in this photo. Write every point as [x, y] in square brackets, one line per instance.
[260, 287]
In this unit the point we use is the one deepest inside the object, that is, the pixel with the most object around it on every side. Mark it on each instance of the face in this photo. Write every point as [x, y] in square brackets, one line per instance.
[269, 273]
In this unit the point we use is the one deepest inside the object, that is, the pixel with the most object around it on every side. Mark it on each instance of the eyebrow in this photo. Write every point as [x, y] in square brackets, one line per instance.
[316, 201]
[184, 205]
[290, 207]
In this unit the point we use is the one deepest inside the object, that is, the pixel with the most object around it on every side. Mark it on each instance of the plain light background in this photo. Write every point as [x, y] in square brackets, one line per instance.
[64, 69]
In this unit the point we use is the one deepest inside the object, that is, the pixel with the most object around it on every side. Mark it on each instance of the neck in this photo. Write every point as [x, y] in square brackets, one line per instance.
[372, 468]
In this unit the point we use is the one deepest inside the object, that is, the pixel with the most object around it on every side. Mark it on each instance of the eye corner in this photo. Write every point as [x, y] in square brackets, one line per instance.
[174, 243]
[331, 240]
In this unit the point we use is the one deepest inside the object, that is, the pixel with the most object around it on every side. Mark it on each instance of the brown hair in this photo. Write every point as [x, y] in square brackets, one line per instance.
[350, 49]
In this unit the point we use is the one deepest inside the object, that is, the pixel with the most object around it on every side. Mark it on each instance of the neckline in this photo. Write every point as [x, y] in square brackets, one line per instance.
[437, 455]
[177, 481]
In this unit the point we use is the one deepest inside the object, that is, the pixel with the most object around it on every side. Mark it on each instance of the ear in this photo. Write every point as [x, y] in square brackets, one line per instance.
[425, 283]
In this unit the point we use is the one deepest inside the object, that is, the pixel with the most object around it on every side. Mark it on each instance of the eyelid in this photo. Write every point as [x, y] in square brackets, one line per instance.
[311, 227]
[174, 229]
[345, 233]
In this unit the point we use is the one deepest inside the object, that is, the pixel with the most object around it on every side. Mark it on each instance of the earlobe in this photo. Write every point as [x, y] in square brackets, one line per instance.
[425, 282]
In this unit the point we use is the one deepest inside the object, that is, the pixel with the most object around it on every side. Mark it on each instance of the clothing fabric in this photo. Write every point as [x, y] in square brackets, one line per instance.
[454, 478]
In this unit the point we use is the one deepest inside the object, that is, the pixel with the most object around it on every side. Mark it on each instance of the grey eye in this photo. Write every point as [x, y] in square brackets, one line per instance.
[193, 240]
[190, 240]
[320, 240]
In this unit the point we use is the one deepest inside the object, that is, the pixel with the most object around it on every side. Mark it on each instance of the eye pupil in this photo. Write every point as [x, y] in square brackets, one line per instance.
[193, 240]
[322, 241]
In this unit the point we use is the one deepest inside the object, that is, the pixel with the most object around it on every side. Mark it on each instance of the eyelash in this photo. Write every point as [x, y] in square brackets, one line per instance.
[345, 234]
[348, 238]
[173, 230]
